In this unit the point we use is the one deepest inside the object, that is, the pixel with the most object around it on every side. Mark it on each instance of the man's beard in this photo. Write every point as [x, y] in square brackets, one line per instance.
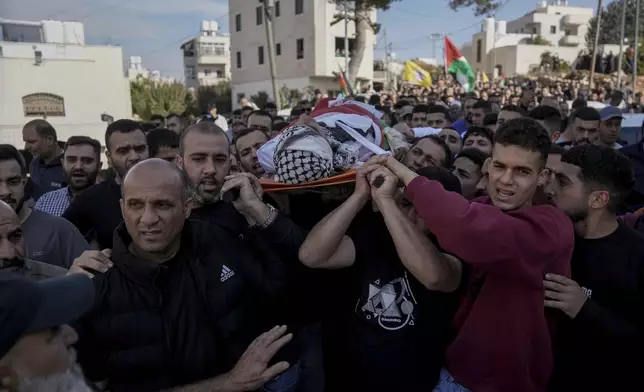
[578, 215]
[17, 204]
[203, 197]
[70, 381]
[91, 180]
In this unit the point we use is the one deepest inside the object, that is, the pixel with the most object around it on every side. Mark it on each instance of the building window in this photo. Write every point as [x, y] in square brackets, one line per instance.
[278, 49]
[479, 50]
[190, 72]
[300, 48]
[239, 60]
[553, 29]
[1, 54]
[534, 30]
[206, 72]
[220, 74]
[299, 7]
[259, 15]
[43, 104]
[260, 55]
[278, 11]
[339, 47]
[238, 24]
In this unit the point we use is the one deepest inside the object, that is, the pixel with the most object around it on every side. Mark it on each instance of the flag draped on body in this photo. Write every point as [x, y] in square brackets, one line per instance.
[457, 65]
[415, 74]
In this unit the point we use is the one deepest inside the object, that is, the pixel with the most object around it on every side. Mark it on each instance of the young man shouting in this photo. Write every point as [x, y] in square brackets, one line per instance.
[503, 341]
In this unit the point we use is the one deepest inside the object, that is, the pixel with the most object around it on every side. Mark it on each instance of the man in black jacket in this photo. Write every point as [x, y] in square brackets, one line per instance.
[176, 303]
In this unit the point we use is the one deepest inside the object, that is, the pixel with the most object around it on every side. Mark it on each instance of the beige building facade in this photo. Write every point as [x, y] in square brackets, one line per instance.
[507, 46]
[47, 71]
[309, 51]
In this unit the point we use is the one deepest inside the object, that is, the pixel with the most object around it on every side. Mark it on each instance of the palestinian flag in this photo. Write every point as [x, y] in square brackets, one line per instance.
[345, 87]
[458, 66]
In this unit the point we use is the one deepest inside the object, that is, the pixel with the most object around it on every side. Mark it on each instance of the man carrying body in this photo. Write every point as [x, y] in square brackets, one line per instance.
[510, 245]
[599, 348]
[179, 299]
[46, 167]
[81, 164]
[96, 212]
[246, 144]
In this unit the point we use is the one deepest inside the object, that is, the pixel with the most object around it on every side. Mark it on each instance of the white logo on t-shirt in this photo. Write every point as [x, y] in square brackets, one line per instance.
[392, 305]
[226, 273]
[588, 292]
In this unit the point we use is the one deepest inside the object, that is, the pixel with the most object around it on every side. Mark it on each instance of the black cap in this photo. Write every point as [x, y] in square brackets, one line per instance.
[27, 306]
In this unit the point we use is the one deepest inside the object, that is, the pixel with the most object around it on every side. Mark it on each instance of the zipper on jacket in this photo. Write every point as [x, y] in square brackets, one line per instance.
[163, 321]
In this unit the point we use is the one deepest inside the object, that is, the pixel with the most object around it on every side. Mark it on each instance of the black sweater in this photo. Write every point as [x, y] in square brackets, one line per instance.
[601, 349]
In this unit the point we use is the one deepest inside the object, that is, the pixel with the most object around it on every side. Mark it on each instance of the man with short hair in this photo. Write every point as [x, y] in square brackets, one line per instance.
[452, 138]
[218, 119]
[179, 301]
[271, 109]
[158, 120]
[261, 120]
[509, 112]
[479, 138]
[81, 163]
[245, 112]
[610, 127]
[13, 256]
[419, 116]
[36, 352]
[438, 116]
[46, 170]
[237, 115]
[246, 144]
[468, 168]
[49, 239]
[549, 118]
[478, 112]
[585, 127]
[426, 151]
[174, 122]
[599, 347]
[96, 212]
[489, 121]
[163, 144]
[511, 245]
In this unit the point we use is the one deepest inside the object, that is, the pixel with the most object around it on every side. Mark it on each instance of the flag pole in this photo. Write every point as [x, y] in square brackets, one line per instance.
[621, 47]
[594, 54]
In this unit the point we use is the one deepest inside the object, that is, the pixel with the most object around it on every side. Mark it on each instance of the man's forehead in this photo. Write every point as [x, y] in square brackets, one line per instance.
[124, 139]
[515, 156]
[80, 150]
[205, 143]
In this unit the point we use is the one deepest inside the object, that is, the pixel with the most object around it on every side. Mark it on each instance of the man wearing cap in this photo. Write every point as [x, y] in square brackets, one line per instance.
[610, 127]
[36, 341]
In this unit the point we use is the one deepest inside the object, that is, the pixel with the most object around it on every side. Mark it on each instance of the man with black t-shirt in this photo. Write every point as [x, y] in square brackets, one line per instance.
[388, 331]
[600, 347]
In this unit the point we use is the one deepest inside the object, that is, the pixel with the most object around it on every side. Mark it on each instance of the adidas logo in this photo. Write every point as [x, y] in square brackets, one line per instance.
[226, 273]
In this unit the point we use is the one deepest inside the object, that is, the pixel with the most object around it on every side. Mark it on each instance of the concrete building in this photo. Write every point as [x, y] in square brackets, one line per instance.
[206, 58]
[136, 70]
[508, 46]
[47, 71]
[308, 50]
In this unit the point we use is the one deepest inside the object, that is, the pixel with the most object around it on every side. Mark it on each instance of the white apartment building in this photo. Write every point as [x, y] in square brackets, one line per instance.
[308, 50]
[506, 46]
[48, 72]
[206, 58]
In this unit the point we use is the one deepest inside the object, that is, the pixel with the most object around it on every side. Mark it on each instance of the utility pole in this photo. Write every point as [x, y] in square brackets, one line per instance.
[621, 47]
[346, 37]
[387, 50]
[435, 38]
[594, 55]
[268, 21]
[636, 43]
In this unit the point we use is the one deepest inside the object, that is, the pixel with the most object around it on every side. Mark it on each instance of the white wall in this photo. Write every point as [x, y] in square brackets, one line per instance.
[528, 55]
[90, 87]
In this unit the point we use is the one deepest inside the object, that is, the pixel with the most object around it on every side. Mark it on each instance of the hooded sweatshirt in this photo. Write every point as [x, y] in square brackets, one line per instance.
[503, 340]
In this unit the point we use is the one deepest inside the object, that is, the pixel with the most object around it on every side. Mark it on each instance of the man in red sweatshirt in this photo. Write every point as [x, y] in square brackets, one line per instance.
[503, 341]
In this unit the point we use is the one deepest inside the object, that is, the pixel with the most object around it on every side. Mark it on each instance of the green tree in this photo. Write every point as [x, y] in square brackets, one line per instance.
[150, 98]
[360, 15]
[289, 97]
[260, 99]
[219, 95]
[611, 22]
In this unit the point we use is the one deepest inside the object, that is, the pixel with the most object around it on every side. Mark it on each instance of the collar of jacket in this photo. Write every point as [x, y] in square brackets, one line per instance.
[139, 270]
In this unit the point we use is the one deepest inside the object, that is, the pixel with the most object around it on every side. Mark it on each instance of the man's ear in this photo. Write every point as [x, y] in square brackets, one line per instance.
[543, 177]
[179, 161]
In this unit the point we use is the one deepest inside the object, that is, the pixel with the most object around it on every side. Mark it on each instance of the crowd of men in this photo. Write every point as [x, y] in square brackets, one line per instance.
[501, 253]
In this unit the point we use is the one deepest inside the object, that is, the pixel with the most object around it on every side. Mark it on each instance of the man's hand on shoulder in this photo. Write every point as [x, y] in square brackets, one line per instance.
[92, 261]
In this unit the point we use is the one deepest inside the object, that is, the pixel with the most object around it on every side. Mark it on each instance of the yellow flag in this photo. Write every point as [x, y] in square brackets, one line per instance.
[414, 74]
[484, 78]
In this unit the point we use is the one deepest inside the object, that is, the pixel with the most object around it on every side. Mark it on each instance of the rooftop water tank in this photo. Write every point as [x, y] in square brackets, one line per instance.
[74, 33]
[501, 27]
[205, 25]
[52, 31]
[488, 24]
[214, 26]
